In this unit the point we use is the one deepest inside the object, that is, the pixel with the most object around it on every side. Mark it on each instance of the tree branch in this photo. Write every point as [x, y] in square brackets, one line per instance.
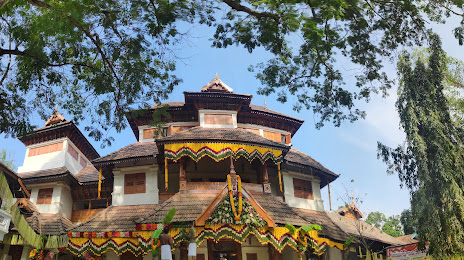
[86, 32]
[241, 8]
[17, 52]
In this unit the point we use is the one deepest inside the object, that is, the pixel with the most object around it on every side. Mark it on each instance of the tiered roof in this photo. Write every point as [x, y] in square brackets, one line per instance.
[58, 127]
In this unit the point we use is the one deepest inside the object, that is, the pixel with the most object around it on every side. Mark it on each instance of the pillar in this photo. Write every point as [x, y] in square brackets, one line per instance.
[265, 177]
[182, 175]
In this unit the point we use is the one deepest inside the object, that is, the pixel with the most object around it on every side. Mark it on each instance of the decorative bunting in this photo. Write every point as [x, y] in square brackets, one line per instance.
[280, 177]
[140, 242]
[220, 151]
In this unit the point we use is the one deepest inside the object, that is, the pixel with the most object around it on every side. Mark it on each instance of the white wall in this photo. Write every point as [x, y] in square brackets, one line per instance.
[54, 159]
[61, 199]
[151, 189]
[315, 204]
[44, 161]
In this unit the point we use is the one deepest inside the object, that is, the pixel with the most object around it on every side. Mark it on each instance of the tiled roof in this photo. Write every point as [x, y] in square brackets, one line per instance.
[133, 151]
[407, 239]
[49, 224]
[278, 210]
[115, 218]
[188, 205]
[43, 173]
[360, 228]
[199, 133]
[88, 174]
[295, 156]
[270, 111]
[321, 218]
[171, 104]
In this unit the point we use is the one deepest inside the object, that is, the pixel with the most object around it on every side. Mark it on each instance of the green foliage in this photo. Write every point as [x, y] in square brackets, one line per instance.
[169, 216]
[430, 162]
[7, 159]
[408, 222]
[348, 242]
[390, 225]
[98, 60]
[156, 233]
[376, 219]
[291, 228]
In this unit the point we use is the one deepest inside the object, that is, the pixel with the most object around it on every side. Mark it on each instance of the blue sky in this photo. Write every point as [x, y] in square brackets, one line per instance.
[349, 150]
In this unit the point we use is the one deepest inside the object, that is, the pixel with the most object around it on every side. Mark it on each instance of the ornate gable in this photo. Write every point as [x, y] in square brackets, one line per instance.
[55, 118]
[216, 85]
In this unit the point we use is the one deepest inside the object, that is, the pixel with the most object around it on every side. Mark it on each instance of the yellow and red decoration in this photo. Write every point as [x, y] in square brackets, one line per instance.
[100, 182]
[140, 242]
[166, 173]
[221, 151]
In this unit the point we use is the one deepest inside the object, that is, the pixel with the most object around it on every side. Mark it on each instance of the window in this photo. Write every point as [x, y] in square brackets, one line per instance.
[283, 139]
[134, 183]
[45, 196]
[276, 137]
[219, 119]
[73, 152]
[150, 133]
[45, 149]
[302, 189]
[82, 162]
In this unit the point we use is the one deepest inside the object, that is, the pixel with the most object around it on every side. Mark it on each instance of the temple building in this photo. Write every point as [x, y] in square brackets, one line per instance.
[226, 166]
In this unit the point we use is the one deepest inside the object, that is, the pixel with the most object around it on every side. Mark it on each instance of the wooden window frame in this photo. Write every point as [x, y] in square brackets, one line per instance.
[45, 196]
[71, 150]
[218, 119]
[82, 162]
[302, 189]
[133, 185]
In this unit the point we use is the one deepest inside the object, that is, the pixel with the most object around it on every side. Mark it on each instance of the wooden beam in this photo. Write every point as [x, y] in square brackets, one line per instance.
[201, 220]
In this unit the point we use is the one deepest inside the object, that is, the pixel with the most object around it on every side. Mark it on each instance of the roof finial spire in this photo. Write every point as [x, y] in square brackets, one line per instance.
[265, 104]
[216, 85]
[56, 117]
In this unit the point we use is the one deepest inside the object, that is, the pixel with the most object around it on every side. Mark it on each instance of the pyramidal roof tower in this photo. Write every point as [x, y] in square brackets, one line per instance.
[58, 144]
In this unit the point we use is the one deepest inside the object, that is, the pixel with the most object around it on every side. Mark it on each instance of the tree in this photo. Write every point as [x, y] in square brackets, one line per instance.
[408, 222]
[101, 59]
[7, 159]
[390, 225]
[376, 219]
[430, 161]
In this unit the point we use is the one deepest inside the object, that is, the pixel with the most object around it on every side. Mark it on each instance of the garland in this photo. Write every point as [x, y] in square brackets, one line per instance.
[166, 173]
[223, 215]
[231, 196]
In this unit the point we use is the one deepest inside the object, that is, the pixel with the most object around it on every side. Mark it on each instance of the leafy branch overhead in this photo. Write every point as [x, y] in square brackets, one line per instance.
[98, 60]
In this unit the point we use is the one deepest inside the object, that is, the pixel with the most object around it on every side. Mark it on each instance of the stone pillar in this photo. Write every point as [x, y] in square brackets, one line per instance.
[182, 175]
[265, 177]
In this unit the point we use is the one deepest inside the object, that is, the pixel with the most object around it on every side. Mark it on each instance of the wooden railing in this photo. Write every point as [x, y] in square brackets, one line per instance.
[83, 214]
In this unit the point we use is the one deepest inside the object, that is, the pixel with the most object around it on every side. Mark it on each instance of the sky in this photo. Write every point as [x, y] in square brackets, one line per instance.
[349, 150]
